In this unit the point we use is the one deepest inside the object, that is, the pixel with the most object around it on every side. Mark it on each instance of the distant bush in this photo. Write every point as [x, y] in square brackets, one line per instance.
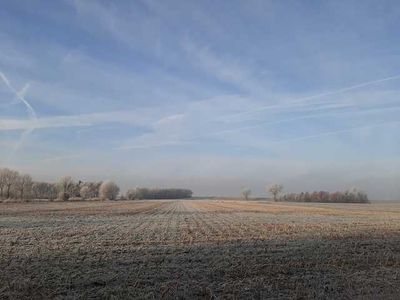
[155, 193]
[350, 196]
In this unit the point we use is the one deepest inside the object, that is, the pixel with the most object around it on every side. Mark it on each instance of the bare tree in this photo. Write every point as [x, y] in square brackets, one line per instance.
[275, 190]
[24, 185]
[44, 190]
[66, 187]
[109, 190]
[2, 181]
[246, 193]
[65, 184]
[131, 194]
[9, 179]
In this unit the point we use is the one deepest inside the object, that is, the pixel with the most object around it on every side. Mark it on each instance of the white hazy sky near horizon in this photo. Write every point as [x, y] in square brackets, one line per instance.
[205, 95]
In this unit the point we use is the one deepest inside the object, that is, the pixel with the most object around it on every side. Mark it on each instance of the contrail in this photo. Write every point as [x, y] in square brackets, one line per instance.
[20, 96]
[335, 92]
[285, 108]
[31, 112]
[22, 92]
[328, 133]
[309, 116]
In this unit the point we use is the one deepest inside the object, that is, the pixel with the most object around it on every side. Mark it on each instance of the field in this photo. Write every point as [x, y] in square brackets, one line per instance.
[199, 250]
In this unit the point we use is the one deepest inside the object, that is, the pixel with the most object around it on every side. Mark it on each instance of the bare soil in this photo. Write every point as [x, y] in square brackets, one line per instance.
[199, 249]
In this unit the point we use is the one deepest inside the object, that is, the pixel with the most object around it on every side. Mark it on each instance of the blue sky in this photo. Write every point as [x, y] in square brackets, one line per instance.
[210, 95]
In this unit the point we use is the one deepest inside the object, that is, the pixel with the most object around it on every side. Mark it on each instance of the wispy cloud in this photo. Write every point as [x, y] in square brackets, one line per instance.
[229, 71]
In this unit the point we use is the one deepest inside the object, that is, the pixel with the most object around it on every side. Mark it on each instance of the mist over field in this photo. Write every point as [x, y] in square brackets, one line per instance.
[221, 176]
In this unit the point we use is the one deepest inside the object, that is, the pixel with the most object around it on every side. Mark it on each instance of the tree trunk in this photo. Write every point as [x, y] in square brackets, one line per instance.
[8, 191]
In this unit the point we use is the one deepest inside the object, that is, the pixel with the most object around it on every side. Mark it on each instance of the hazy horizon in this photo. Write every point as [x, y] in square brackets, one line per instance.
[211, 96]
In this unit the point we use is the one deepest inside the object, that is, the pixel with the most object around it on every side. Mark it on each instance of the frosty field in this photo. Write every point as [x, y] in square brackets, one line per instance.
[205, 249]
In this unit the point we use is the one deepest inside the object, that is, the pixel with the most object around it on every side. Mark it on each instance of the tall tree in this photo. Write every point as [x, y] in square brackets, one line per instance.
[9, 180]
[275, 190]
[24, 185]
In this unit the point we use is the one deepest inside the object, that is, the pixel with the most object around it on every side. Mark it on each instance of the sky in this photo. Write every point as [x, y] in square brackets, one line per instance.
[208, 95]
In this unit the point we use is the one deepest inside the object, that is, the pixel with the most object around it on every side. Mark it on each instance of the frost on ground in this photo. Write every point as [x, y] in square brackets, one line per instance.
[199, 249]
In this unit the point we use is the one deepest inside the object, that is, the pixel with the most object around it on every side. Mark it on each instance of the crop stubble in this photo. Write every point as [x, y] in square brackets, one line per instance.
[199, 249]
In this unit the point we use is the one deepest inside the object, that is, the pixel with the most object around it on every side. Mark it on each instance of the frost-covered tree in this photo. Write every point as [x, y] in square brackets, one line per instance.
[66, 188]
[66, 184]
[275, 190]
[85, 192]
[246, 192]
[352, 195]
[131, 194]
[109, 190]
[90, 190]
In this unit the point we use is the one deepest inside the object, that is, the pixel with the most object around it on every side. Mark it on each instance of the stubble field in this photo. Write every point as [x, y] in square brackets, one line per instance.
[199, 249]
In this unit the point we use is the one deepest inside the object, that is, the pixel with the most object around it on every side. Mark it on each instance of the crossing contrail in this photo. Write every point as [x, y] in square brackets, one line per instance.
[20, 95]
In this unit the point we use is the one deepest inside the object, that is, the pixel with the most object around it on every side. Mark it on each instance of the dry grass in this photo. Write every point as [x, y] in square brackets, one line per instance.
[199, 249]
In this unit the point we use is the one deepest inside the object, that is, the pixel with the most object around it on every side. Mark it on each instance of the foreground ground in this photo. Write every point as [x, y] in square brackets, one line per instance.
[199, 249]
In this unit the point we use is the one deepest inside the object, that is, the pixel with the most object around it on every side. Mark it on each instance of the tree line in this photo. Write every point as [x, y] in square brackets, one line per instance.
[349, 196]
[16, 186]
[156, 193]
[352, 195]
